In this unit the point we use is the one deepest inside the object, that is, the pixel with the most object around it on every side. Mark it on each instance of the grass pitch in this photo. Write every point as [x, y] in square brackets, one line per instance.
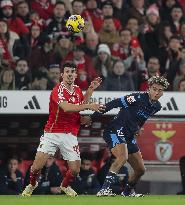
[92, 200]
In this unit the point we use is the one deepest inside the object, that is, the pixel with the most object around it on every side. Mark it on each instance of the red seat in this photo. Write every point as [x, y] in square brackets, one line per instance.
[24, 165]
[62, 166]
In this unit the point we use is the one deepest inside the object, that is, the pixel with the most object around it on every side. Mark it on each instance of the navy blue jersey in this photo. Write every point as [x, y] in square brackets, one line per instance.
[135, 109]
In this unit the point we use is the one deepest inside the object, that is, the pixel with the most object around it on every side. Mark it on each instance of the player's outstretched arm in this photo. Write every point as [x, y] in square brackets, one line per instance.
[108, 106]
[69, 107]
[93, 86]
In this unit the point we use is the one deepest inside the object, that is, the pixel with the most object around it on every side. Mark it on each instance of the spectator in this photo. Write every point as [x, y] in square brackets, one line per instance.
[50, 178]
[23, 12]
[166, 8]
[36, 19]
[182, 85]
[62, 47]
[78, 7]
[137, 11]
[91, 42]
[54, 75]
[153, 69]
[103, 62]
[119, 80]
[41, 56]
[34, 38]
[120, 10]
[151, 31]
[86, 182]
[122, 48]
[7, 79]
[10, 45]
[164, 34]
[176, 18]
[43, 7]
[133, 26]
[11, 178]
[15, 23]
[85, 69]
[136, 65]
[180, 75]
[108, 33]
[93, 13]
[56, 24]
[22, 75]
[107, 10]
[40, 81]
[170, 57]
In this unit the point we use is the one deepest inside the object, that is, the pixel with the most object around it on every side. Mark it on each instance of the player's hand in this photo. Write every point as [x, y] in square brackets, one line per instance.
[139, 133]
[95, 83]
[96, 107]
[85, 120]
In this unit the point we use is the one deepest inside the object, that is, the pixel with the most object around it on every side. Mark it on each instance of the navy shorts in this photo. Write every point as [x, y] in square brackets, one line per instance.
[112, 139]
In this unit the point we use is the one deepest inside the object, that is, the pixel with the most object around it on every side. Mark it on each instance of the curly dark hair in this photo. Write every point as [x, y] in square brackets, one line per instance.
[158, 80]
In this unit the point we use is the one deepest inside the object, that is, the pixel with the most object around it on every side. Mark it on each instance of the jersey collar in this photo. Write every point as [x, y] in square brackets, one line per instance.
[70, 92]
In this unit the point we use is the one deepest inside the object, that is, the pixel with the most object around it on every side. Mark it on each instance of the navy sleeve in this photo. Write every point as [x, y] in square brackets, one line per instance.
[119, 102]
[158, 108]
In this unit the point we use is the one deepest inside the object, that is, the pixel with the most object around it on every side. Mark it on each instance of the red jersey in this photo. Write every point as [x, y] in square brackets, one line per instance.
[60, 121]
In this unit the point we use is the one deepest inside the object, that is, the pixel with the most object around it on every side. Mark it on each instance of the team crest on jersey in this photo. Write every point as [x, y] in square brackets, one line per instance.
[131, 99]
[163, 150]
[72, 99]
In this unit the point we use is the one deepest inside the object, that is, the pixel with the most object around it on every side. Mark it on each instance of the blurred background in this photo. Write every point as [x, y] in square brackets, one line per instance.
[125, 42]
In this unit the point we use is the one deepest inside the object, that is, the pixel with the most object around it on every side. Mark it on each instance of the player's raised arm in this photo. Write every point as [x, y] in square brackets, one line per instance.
[69, 107]
[93, 86]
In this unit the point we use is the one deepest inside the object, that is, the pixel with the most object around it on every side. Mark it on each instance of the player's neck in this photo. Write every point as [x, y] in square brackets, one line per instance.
[68, 86]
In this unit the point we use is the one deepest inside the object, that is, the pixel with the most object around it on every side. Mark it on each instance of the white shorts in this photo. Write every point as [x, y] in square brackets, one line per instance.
[66, 143]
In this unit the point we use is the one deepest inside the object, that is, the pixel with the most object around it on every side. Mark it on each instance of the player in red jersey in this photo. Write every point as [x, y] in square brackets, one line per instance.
[66, 101]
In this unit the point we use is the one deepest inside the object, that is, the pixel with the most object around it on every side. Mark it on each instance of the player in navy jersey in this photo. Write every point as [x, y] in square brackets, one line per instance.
[120, 134]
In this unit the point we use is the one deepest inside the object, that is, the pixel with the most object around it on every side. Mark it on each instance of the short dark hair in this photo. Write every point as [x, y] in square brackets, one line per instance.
[22, 2]
[68, 64]
[60, 3]
[21, 59]
[125, 29]
[81, 1]
[177, 6]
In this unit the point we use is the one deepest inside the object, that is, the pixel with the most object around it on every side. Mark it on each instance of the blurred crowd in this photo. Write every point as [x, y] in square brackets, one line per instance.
[124, 41]
[14, 175]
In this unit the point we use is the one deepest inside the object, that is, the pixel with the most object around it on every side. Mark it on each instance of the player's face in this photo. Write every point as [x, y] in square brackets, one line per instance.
[69, 75]
[155, 91]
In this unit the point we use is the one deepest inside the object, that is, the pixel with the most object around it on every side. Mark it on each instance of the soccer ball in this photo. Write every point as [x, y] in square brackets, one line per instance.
[75, 24]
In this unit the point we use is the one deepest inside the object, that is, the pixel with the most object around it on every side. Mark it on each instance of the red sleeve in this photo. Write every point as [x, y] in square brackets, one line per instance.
[81, 95]
[22, 26]
[58, 95]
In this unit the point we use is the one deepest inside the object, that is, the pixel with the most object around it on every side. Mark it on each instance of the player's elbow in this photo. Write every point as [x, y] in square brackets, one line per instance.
[65, 107]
